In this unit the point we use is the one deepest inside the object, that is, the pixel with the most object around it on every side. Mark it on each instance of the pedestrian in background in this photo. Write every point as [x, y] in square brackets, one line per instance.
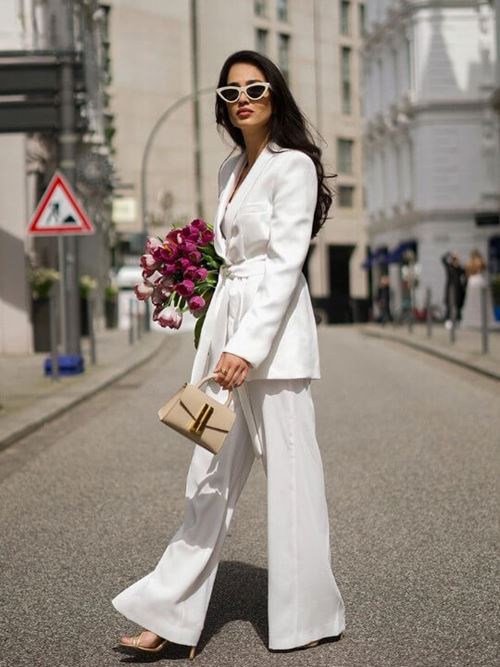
[477, 279]
[260, 338]
[455, 288]
[383, 299]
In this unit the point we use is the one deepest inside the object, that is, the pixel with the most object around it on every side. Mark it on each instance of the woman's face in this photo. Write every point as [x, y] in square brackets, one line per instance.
[247, 114]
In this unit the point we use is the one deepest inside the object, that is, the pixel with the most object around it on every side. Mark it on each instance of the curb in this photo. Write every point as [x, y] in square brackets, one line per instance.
[33, 425]
[436, 353]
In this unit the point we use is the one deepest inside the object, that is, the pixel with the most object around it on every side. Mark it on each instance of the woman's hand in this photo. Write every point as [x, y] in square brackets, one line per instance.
[236, 367]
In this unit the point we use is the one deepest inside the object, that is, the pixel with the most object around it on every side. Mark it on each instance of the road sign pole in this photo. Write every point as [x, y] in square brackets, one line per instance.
[69, 258]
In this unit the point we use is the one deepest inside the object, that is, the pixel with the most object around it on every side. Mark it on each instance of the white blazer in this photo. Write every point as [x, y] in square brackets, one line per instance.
[273, 324]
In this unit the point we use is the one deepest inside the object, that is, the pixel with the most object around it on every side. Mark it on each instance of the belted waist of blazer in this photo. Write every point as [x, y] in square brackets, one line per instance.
[246, 269]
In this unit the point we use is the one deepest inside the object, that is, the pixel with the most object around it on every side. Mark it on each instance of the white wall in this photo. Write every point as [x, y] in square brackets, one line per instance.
[15, 327]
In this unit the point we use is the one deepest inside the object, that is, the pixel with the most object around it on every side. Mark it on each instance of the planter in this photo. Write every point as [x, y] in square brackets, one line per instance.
[111, 314]
[84, 317]
[41, 324]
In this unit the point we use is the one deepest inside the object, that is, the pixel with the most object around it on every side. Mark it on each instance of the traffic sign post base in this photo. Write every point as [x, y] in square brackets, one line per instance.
[69, 364]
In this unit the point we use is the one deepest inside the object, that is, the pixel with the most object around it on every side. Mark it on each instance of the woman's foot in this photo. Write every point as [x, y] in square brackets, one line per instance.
[145, 640]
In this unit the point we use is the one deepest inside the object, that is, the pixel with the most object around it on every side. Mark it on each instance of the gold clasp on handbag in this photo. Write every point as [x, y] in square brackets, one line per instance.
[199, 424]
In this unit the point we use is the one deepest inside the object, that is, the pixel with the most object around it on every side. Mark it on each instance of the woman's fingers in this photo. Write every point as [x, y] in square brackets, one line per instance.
[236, 367]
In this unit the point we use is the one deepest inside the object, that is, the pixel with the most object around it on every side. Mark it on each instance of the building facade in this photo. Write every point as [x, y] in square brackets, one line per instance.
[431, 145]
[32, 31]
[316, 45]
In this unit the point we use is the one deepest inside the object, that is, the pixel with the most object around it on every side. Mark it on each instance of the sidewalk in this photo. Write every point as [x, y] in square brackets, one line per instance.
[466, 351]
[28, 399]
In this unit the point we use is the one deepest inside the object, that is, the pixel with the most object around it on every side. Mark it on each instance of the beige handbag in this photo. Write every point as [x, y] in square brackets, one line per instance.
[197, 416]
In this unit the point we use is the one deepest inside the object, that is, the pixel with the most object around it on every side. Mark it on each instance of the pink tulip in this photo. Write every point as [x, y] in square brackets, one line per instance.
[149, 262]
[170, 317]
[143, 291]
[196, 303]
[147, 273]
[185, 288]
[153, 243]
[160, 294]
[167, 283]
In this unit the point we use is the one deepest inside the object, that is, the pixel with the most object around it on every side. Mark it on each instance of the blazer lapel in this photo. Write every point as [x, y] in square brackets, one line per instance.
[250, 179]
[219, 242]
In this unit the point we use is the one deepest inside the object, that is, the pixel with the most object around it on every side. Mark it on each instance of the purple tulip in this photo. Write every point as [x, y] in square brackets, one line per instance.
[143, 291]
[191, 272]
[183, 263]
[196, 303]
[169, 268]
[188, 246]
[201, 274]
[169, 317]
[174, 236]
[195, 256]
[189, 233]
[199, 224]
[207, 237]
[170, 250]
[185, 288]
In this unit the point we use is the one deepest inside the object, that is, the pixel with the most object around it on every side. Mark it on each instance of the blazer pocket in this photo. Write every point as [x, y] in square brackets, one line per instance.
[255, 207]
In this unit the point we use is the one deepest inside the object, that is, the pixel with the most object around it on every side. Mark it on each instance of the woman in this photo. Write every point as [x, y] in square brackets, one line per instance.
[477, 279]
[259, 337]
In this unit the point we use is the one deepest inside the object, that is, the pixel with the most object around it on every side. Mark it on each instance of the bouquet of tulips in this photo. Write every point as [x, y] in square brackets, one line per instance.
[179, 274]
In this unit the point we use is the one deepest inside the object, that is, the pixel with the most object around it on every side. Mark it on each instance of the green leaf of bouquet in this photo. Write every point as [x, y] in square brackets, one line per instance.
[197, 330]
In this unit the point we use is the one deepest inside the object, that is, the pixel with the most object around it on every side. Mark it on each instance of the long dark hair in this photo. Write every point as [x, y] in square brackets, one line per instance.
[289, 128]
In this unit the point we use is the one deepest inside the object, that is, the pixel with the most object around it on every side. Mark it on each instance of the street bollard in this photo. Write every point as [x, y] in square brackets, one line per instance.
[411, 313]
[453, 313]
[53, 338]
[484, 320]
[428, 310]
[138, 320]
[131, 321]
[90, 318]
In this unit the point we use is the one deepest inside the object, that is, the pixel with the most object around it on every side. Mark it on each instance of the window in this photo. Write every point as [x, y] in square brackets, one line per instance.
[346, 79]
[346, 196]
[282, 10]
[345, 15]
[344, 155]
[362, 20]
[260, 7]
[261, 41]
[284, 55]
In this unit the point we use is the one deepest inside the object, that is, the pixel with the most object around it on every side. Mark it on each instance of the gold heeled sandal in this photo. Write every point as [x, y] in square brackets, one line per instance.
[136, 645]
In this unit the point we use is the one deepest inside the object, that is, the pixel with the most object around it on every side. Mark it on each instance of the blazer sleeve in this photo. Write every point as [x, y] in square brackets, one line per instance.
[293, 204]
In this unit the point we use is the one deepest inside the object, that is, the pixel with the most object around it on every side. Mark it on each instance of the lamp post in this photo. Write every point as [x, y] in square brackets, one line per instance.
[144, 166]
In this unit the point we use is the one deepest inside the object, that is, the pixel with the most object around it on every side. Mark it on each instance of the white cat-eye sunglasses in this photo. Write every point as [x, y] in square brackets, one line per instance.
[254, 91]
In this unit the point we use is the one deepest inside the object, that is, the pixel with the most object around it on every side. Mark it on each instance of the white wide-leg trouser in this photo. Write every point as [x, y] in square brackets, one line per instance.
[304, 603]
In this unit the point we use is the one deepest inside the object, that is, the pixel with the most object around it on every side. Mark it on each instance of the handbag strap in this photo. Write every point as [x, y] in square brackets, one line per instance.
[212, 376]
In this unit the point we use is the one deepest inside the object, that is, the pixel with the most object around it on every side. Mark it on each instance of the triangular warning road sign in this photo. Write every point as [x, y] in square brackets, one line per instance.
[59, 211]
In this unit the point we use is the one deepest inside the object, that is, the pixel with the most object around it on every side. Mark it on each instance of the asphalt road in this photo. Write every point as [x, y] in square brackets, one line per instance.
[410, 450]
